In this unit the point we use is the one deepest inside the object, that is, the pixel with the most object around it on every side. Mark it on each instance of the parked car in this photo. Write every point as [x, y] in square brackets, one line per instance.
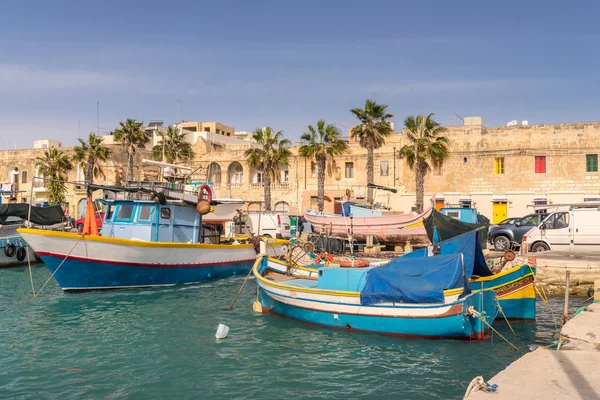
[573, 231]
[81, 221]
[507, 221]
[504, 237]
[271, 224]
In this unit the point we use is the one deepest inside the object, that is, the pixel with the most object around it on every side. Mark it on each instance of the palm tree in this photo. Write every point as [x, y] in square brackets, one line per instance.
[131, 135]
[54, 167]
[89, 156]
[322, 143]
[426, 144]
[270, 154]
[173, 147]
[371, 133]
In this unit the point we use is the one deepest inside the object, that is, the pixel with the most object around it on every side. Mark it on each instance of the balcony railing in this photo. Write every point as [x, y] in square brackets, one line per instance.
[283, 186]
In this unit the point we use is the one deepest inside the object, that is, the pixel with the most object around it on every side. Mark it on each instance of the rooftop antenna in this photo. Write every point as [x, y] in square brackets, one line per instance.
[461, 118]
[98, 118]
[179, 110]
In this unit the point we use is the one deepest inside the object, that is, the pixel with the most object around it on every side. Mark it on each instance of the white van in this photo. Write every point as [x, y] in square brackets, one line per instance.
[576, 231]
[271, 223]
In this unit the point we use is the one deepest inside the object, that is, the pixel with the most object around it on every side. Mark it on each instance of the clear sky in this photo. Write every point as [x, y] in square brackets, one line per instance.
[251, 63]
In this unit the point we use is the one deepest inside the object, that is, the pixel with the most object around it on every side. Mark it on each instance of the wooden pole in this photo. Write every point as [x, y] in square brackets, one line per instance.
[566, 312]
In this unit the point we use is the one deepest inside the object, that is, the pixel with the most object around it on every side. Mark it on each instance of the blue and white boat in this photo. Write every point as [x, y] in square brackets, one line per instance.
[425, 297]
[143, 243]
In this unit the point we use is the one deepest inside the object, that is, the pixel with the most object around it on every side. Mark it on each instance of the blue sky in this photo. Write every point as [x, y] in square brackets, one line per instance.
[288, 63]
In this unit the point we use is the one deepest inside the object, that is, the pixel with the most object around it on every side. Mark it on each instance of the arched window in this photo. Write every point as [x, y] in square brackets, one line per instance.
[236, 174]
[254, 206]
[214, 173]
[282, 206]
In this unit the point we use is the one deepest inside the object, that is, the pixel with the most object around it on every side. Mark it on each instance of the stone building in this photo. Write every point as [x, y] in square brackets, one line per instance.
[502, 171]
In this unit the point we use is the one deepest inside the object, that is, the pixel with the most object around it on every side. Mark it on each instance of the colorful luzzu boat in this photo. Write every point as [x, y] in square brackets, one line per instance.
[436, 302]
[142, 244]
[514, 286]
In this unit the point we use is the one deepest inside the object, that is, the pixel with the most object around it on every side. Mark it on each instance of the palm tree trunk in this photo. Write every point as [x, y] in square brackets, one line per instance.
[130, 164]
[370, 177]
[89, 176]
[420, 184]
[267, 185]
[321, 163]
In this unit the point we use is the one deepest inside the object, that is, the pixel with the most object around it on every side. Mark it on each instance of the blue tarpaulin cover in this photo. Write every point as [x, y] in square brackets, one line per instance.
[345, 209]
[414, 280]
[467, 244]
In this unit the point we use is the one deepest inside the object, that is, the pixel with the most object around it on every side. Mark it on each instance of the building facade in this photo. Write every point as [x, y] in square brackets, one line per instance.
[502, 171]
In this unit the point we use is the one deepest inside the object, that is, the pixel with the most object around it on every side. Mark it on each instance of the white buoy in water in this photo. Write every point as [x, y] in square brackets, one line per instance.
[222, 331]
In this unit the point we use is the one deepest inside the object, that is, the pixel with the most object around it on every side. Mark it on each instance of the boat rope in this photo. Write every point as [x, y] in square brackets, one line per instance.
[504, 315]
[478, 383]
[259, 257]
[472, 311]
[544, 298]
[30, 271]
[59, 265]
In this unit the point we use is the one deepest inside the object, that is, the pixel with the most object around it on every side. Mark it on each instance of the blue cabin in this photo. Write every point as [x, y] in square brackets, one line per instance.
[461, 213]
[152, 222]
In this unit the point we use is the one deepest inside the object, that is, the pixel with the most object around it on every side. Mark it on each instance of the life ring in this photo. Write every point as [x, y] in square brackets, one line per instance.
[201, 189]
[10, 250]
[357, 263]
[21, 253]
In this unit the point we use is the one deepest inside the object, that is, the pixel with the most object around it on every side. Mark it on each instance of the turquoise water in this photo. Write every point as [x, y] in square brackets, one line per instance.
[160, 343]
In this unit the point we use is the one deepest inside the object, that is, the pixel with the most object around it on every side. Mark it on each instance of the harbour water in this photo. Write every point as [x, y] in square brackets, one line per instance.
[160, 343]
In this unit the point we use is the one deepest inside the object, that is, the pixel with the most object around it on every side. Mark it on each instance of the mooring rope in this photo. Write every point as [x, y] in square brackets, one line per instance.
[506, 319]
[60, 265]
[472, 311]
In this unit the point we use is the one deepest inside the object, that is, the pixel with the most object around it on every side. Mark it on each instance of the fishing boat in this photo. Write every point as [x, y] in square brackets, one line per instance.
[514, 284]
[390, 227]
[426, 297]
[13, 248]
[144, 243]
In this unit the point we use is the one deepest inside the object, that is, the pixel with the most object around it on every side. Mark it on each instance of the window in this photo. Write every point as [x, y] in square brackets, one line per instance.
[499, 166]
[349, 170]
[314, 202]
[258, 178]
[23, 176]
[384, 168]
[591, 163]
[540, 164]
[125, 211]
[557, 221]
[145, 211]
[453, 214]
[165, 213]
[532, 220]
[286, 175]
[109, 213]
[44, 146]
[437, 168]
[206, 129]
[313, 169]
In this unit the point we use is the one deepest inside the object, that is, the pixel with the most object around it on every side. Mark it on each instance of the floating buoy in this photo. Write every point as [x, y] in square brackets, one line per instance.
[257, 307]
[222, 331]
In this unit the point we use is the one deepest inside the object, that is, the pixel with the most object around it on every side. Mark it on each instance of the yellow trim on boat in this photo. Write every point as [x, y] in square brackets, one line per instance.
[527, 292]
[508, 271]
[139, 243]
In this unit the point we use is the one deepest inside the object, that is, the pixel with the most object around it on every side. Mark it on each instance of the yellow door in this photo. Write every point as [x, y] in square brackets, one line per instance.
[499, 211]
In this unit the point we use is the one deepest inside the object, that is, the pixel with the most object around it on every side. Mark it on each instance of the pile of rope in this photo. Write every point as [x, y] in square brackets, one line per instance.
[479, 383]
